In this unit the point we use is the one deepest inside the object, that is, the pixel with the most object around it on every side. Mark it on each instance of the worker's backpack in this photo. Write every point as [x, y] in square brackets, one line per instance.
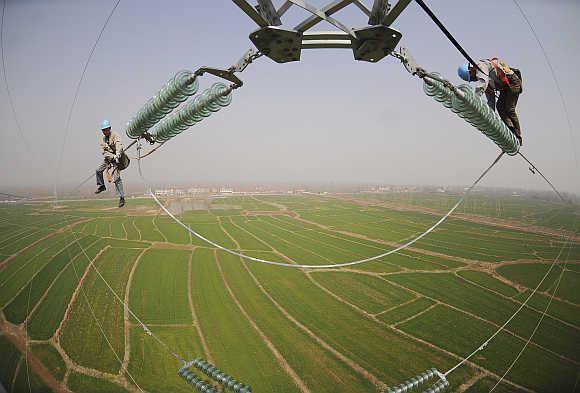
[123, 161]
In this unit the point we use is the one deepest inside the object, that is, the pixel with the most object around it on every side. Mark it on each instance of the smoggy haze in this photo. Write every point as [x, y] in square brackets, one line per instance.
[327, 118]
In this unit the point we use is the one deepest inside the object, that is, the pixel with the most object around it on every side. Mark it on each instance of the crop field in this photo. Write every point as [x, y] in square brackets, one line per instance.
[95, 299]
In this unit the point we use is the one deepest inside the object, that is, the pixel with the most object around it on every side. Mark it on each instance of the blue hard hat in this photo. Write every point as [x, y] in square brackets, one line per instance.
[463, 72]
[105, 124]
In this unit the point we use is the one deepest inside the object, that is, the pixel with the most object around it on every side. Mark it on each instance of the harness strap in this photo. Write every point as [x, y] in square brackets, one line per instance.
[500, 71]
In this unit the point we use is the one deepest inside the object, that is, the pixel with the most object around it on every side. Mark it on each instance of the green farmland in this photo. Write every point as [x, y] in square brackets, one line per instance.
[95, 299]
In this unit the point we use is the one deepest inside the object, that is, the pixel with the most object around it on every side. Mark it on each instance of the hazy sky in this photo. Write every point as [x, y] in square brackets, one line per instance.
[326, 119]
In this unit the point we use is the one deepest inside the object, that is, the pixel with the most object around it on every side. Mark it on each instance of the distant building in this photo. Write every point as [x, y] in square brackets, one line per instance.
[198, 190]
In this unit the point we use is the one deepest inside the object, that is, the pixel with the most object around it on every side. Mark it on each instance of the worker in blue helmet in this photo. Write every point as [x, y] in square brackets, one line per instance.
[494, 75]
[112, 151]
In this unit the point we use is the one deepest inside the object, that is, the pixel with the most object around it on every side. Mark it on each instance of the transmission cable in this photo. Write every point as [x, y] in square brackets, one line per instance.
[10, 100]
[78, 88]
[328, 266]
[522, 305]
[553, 73]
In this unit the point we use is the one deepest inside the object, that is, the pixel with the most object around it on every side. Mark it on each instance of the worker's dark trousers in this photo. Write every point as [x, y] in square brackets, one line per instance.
[116, 179]
[506, 104]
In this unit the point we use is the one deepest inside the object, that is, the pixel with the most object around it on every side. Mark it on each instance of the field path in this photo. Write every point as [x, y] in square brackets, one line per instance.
[154, 220]
[124, 230]
[476, 218]
[348, 361]
[529, 306]
[18, 338]
[5, 262]
[279, 357]
[433, 346]
[196, 323]
[137, 229]
[45, 294]
[58, 332]
[467, 384]
[470, 363]
[479, 318]
[126, 316]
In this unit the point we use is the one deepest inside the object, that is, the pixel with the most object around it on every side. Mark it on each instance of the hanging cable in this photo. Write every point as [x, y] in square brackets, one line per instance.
[329, 266]
[522, 305]
[78, 88]
[10, 99]
[556, 83]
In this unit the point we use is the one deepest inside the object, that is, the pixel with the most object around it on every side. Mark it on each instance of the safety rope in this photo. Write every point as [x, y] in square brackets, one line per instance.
[448, 34]
[328, 266]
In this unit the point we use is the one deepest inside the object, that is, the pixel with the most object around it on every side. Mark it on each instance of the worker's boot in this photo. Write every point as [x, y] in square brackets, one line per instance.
[121, 202]
[100, 189]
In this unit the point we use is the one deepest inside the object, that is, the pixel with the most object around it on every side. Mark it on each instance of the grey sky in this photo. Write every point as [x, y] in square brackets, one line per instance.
[327, 118]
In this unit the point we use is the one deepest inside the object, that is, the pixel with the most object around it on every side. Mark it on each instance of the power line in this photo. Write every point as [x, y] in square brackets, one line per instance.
[13, 196]
[523, 304]
[553, 73]
[303, 266]
[78, 88]
[145, 328]
[10, 100]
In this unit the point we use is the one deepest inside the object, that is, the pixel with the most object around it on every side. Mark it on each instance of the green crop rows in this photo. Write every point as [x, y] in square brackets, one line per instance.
[112, 300]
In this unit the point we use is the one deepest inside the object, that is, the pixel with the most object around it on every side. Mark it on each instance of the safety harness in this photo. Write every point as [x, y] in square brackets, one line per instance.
[501, 69]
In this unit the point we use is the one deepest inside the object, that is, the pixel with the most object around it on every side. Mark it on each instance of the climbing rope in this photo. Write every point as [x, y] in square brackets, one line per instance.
[329, 266]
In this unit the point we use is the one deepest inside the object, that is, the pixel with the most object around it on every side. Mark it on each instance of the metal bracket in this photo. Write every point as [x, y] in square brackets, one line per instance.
[148, 137]
[408, 60]
[325, 39]
[323, 16]
[224, 74]
[267, 10]
[283, 8]
[395, 12]
[379, 11]
[251, 12]
[328, 10]
[373, 43]
[278, 44]
[245, 60]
